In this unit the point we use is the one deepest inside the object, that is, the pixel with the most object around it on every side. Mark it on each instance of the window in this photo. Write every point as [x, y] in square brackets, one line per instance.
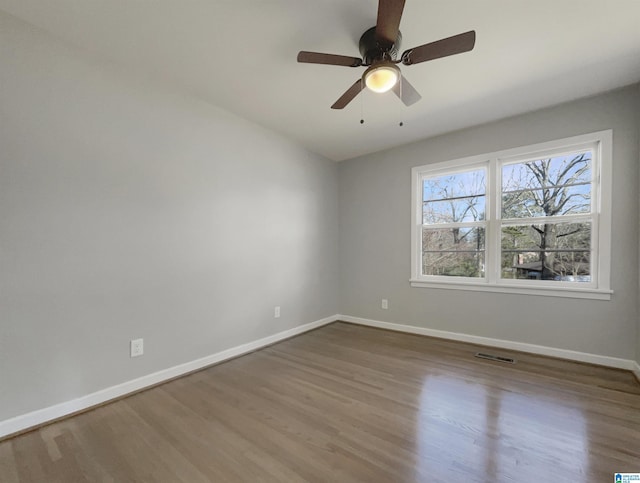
[453, 223]
[533, 220]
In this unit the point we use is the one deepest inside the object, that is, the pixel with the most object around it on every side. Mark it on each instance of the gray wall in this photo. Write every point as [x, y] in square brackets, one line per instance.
[638, 298]
[375, 237]
[130, 209]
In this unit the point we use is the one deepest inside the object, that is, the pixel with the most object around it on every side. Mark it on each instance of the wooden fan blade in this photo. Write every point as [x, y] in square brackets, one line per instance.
[348, 96]
[406, 92]
[330, 59]
[388, 23]
[441, 48]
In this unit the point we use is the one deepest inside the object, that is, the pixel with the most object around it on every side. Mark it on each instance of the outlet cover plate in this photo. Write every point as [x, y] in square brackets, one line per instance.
[137, 347]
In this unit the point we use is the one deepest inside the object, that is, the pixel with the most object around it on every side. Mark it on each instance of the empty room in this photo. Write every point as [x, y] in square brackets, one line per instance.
[278, 240]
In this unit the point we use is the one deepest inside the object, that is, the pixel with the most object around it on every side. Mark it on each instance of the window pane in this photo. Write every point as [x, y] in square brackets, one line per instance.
[573, 266]
[454, 198]
[453, 239]
[547, 187]
[549, 236]
[457, 252]
[453, 211]
[454, 264]
[560, 251]
[567, 200]
[449, 186]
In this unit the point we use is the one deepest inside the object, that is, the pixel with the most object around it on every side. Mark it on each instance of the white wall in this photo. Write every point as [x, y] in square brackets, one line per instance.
[375, 231]
[130, 209]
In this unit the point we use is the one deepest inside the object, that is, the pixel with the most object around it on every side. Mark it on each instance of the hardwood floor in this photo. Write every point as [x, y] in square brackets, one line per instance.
[349, 403]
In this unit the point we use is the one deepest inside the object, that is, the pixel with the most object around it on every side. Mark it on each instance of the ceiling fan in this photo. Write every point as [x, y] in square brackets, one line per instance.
[378, 46]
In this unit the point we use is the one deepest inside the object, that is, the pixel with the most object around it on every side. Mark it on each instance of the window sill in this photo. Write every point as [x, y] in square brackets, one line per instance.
[547, 291]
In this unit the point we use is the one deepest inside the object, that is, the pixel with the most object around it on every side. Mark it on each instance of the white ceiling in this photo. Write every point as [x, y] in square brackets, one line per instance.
[241, 55]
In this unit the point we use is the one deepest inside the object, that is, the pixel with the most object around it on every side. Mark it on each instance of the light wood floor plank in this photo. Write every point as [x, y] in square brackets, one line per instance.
[350, 403]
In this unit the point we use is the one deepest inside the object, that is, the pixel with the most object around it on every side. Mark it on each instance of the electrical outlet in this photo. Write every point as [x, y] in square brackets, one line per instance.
[276, 312]
[385, 304]
[137, 347]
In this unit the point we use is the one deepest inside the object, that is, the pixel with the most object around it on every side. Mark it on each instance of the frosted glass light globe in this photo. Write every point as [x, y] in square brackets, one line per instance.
[381, 78]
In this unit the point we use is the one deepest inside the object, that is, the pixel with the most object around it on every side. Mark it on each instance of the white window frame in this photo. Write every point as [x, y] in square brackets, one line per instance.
[600, 143]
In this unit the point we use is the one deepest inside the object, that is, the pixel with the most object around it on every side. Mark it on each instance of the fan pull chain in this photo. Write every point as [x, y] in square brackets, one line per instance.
[361, 102]
[400, 90]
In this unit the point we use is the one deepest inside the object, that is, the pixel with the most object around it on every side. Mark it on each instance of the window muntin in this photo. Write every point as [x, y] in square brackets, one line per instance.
[569, 204]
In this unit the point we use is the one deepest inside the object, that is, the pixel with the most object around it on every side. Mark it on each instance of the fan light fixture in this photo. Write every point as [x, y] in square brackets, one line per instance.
[381, 77]
[379, 49]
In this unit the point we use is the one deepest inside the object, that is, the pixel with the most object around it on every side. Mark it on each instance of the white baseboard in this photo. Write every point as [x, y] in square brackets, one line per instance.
[36, 418]
[636, 370]
[503, 344]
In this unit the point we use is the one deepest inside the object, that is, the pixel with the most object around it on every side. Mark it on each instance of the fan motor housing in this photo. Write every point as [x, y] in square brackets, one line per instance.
[371, 50]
